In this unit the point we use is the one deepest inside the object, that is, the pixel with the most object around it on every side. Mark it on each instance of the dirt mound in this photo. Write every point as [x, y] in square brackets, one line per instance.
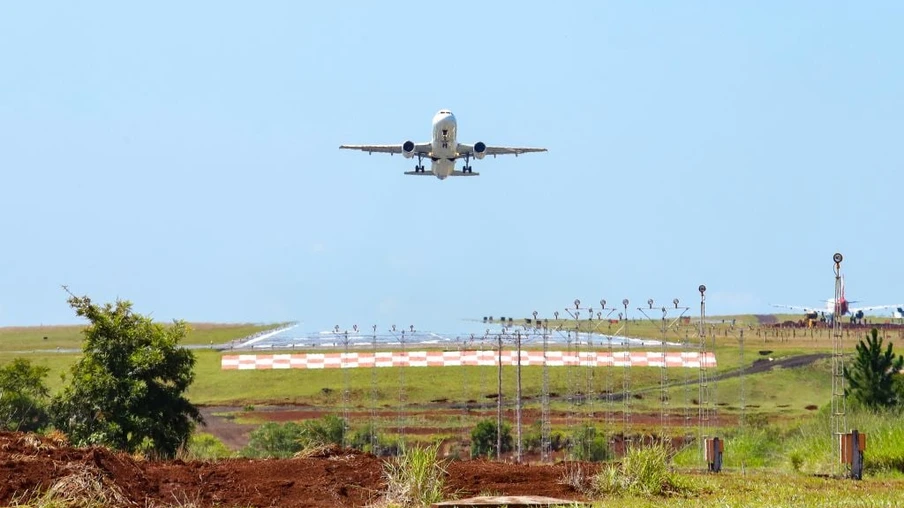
[481, 477]
[331, 477]
[30, 464]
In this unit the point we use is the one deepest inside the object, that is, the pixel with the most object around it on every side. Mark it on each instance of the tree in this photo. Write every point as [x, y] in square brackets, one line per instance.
[23, 396]
[873, 378]
[127, 390]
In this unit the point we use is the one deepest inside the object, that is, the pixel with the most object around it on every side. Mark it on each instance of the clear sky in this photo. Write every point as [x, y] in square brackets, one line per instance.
[184, 156]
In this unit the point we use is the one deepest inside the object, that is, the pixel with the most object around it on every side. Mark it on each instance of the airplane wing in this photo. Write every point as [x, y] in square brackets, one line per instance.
[468, 150]
[874, 307]
[808, 310]
[419, 148]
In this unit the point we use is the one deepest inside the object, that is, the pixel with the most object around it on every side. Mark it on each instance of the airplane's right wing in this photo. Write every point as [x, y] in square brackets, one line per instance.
[417, 149]
[874, 307]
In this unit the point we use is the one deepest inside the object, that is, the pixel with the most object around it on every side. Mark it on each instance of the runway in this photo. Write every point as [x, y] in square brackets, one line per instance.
[470, 335]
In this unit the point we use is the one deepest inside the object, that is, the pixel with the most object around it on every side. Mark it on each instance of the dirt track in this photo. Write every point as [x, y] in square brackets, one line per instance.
[336, 478]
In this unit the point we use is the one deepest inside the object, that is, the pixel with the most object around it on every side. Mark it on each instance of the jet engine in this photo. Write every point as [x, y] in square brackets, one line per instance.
[408, 149]
[480, 150]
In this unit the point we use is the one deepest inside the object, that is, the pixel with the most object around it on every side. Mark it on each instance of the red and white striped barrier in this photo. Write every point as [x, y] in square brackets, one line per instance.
[458, 358]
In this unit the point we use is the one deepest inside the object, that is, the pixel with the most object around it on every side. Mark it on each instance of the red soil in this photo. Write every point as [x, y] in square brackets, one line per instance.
[29, 464]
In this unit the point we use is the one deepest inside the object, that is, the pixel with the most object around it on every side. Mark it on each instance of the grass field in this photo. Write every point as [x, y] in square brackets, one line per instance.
[25, 339]
[773, 460]
[772, 489]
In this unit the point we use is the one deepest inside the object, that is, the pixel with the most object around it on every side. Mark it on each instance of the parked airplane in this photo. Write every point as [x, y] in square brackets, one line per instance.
[843, 306]
[443, 150]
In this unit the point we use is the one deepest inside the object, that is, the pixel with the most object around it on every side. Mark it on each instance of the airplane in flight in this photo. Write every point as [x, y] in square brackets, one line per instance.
[443, 150]
[844, 307]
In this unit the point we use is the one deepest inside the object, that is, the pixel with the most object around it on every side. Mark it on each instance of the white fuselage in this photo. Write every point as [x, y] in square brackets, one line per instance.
[445, 146]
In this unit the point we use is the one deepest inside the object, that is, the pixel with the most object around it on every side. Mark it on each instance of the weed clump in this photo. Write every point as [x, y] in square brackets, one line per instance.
[415, 478]
[644, 471]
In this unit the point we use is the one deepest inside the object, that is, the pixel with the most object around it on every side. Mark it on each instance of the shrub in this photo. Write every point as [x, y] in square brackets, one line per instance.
[274, 440]
[588, 445]
[366, 437]
[328, 430]
[203, 446]
[483, 439]
[23, 396]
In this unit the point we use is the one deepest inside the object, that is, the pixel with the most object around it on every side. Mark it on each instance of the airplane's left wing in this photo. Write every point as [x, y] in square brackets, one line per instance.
[509, 150]
[469, 150]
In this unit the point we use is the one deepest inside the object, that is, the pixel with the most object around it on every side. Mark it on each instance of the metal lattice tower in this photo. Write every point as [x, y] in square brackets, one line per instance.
[578, 398]
[591, 368]
[499, 397]
[742, 392]
[610, 423]
[626, 379]
[544, 396]
[345, 385]
[839, 409]
[466, 395]
[664, 378]
[685, 349]
[374, 395]
[518, 396]
[704, 394]
[401, 415]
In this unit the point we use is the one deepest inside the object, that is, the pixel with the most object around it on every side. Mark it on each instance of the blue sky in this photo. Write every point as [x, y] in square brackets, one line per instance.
[184, 155]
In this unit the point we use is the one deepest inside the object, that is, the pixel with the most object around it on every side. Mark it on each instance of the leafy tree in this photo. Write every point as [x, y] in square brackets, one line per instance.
[873, 377]
[127, 390]
[23, 396]
[483, 439]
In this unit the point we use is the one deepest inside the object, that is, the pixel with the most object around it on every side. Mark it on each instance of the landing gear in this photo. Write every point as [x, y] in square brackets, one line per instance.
[419, 167]
[467, 166]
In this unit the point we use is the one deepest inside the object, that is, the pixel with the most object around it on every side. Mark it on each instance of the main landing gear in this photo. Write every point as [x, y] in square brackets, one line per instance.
[467, 166]
[419, 167]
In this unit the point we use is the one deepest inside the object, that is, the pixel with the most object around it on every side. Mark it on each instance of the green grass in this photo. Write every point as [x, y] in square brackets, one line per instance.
[15, 339]
[772, 489]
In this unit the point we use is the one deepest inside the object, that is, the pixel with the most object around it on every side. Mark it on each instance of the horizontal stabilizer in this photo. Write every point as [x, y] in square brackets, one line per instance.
[419, 173]
[462, 173]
